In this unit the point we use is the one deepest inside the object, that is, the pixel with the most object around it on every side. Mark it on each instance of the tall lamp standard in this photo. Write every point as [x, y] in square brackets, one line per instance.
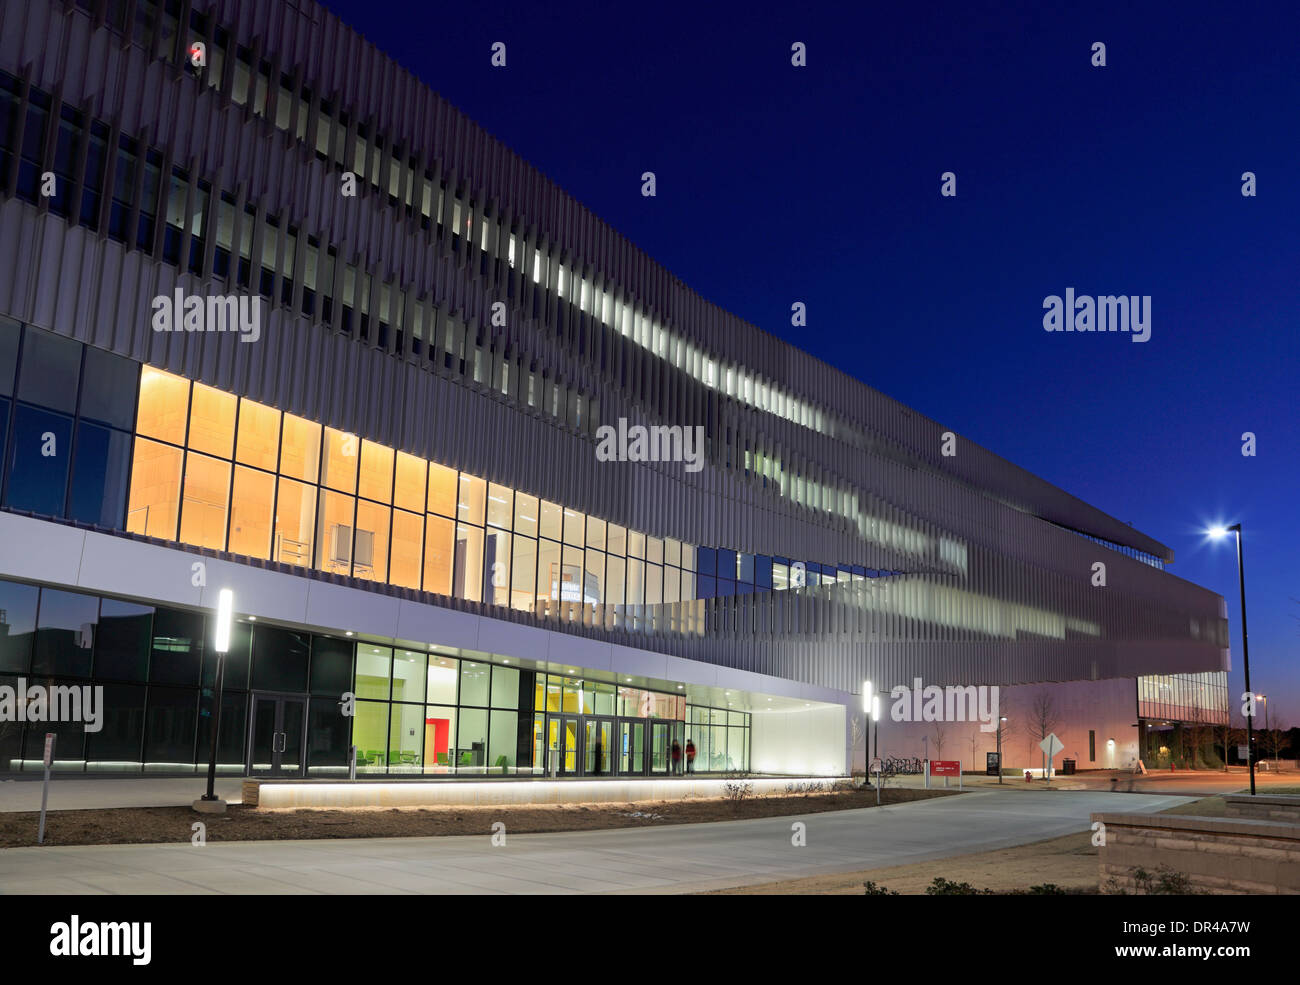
[1268, 731]
[225, 608]
[866, 729]
[875, 718]
[1218, 533]
[1001, 725]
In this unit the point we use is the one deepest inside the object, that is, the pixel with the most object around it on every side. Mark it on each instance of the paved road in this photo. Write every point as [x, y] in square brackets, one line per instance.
[674, 858]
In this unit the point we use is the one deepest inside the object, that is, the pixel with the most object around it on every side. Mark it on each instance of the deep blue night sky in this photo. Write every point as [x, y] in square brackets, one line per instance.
[821, 184]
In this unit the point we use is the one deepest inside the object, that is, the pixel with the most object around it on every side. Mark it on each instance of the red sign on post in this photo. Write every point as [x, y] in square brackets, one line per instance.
[945, 767]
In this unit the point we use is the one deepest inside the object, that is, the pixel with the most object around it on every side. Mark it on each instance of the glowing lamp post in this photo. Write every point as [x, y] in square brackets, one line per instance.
[1218, 533]
[225, 608]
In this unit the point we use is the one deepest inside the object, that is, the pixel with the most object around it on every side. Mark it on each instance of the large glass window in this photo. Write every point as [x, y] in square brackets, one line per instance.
[443, 675]
[17, 625]
[468, 582]
[99, 475]
[340, 461]
[370, 560]
[471, 740]
[442, 490]
[300, 449]
[65, 633]
[503, 741]
[439, 552]
[259, 435]
[334, 532]
[407, 548]
[409, 675]
[38, 464]
[207, 497]
[124, 641]
[376, 472]
[280, 659]
[176, 655]
[439, 738]
[251, 508]
[212, 421]
[51, 370]
[109, 389]
[295, 523]
[406, 734]
[408, 487]
[164, 406]
[374, 670]
[474, 679]
[370, 735]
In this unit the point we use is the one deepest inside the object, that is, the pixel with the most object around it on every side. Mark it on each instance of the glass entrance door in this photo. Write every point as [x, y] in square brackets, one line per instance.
[276, 740]
[660, 741]
[631, 748]
[597, 733]
[569, 753]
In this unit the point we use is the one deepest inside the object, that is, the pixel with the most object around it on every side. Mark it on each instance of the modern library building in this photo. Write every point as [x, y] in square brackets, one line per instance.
[278, 319]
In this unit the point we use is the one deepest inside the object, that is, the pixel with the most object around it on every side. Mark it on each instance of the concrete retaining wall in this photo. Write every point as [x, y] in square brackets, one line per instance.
[1270, 807]
[1218, 855]
[279, 793]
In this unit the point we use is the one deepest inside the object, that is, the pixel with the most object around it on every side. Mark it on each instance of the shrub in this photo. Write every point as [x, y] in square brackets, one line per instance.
[873, 890]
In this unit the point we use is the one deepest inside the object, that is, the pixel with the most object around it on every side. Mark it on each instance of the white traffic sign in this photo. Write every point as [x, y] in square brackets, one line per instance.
[1051, 745]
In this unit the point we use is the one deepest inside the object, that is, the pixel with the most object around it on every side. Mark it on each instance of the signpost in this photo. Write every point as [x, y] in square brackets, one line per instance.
[946, 768]
[1050, 746]
[45, 787]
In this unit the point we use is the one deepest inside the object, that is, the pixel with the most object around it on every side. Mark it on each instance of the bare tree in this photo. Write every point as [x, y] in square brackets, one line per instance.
[939, 733]
[1276, 737]
[1042, 721]
[859, 733]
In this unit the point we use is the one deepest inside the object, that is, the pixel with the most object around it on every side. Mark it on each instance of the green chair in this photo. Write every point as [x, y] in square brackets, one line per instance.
[501, 761]
[466, 758]
[441, 758]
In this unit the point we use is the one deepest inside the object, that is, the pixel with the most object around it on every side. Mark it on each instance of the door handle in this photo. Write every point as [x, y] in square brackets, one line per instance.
[280, 737]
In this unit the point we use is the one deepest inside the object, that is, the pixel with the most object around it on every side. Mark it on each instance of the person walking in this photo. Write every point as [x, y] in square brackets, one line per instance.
[677, 757]
[690, 755]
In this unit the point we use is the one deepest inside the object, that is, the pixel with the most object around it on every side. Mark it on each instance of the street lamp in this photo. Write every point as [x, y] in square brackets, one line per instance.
[1001, 726]
[1268, 732]
[866, 727]
[1217, 533]
[875, 717]
[225, 607]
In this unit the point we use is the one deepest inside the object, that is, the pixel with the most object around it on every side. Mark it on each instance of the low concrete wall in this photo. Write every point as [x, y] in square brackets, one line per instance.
[1218, 855]
[1266, 807]
[369, 793]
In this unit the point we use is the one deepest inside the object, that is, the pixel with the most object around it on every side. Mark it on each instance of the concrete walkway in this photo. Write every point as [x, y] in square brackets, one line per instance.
[676, 858]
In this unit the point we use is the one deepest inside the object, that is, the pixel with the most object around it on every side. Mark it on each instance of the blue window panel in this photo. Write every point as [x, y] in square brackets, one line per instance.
[38, 461]
[99, 476]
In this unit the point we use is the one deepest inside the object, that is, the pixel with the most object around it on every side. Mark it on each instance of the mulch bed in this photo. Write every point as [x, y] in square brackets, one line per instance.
[158, 825]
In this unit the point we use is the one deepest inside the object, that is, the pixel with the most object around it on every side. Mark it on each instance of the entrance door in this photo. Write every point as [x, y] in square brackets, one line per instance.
[598, 754]
[276, 735]
[570, 762]
[660, 743]
[631, 748]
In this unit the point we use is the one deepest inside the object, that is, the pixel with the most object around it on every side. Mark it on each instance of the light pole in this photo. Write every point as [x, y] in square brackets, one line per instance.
[1001, 726]
[1217, 533]
[866, 729]
[1268, 732]
[225, 607]
[875, 718]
